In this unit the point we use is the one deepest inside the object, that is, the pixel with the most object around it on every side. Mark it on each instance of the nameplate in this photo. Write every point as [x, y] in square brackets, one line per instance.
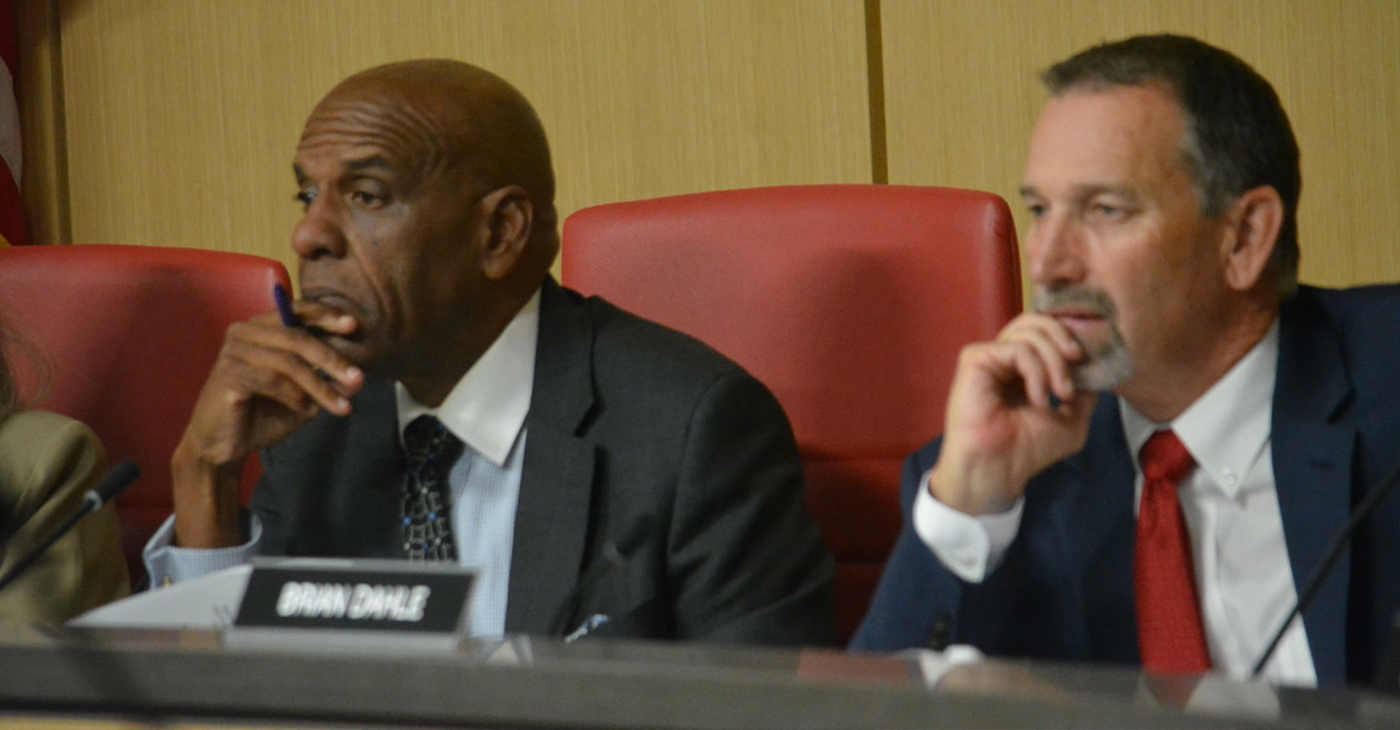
[357, 595]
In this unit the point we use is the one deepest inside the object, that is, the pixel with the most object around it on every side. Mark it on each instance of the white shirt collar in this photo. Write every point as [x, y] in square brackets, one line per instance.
[487, 407]
[1227, 428]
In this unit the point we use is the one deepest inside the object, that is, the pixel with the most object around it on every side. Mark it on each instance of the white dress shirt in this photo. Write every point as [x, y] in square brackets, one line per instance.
[1231, 508]
[486, 410]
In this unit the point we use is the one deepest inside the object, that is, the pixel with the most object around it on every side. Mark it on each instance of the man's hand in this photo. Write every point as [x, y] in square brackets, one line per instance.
[1012, 412]
[269, 380]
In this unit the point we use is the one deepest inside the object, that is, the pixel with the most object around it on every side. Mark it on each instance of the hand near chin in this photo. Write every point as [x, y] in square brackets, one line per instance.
[268, 381]
[1013, 411]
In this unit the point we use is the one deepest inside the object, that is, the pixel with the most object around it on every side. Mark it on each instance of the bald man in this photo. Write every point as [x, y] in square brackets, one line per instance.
[443, 398]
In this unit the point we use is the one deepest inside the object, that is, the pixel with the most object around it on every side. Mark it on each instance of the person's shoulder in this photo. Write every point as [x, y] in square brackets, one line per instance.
[1360, 312]
[1360, 325]
[628, 342]
[40, 452]
[42, 433]
[1348, 302]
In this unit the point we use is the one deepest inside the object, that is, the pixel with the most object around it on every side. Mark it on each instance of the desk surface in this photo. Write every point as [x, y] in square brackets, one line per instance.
[211, 678]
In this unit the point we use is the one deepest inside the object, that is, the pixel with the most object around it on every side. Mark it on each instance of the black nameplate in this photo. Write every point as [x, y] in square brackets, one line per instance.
[374, 595]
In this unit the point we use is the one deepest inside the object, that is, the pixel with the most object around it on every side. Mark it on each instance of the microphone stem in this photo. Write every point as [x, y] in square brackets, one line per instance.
[1324, 568]
[90, 505]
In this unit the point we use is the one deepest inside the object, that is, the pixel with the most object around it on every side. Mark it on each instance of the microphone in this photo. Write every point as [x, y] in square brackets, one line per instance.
[1329, 561]
[120, 477]
[614, 553]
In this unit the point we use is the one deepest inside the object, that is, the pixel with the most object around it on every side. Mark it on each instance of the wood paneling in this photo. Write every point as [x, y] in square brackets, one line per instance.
[40, 91]
[962, 93]
[172, 122]
[183, 115]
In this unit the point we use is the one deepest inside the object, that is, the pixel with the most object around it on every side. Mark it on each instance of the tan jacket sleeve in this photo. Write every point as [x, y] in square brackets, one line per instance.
[47, 463]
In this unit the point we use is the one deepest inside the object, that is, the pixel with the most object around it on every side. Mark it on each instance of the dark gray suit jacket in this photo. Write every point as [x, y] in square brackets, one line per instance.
[629, 422]
[1064, 590]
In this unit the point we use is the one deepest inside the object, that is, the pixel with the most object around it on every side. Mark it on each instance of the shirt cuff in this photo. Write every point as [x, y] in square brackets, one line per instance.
[970, 547]
[168, 564]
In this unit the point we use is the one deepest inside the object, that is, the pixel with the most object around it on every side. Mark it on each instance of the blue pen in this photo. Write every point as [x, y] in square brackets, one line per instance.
[289, 317]
[284, 306]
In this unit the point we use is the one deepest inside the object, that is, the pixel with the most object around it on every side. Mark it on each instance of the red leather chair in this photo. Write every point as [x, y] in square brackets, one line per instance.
[122, 339]
[849, 301]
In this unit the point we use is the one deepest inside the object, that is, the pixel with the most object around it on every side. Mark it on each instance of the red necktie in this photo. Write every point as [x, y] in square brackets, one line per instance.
[1170, 633]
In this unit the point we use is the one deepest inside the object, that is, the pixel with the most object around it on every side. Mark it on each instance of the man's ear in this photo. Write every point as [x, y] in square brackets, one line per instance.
[510, 218]
[1254, 220]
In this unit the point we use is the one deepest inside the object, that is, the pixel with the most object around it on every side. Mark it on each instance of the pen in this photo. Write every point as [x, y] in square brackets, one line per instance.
[284, 306]
[289, 317]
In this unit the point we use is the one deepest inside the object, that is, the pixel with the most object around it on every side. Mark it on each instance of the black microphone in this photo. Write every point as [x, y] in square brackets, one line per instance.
[1329, 561]
[613, 554]
[120, 477]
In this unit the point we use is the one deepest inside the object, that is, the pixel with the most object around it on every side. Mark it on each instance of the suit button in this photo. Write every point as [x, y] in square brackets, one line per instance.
[941, 633]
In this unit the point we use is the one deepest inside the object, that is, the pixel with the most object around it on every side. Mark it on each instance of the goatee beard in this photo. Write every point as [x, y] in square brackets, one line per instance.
[1106, 363]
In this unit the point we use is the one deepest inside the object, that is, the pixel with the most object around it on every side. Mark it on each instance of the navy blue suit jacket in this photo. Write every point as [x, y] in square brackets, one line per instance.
[1064, 591]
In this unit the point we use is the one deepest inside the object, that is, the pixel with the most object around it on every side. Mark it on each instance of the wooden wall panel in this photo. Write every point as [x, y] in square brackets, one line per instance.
[962, 94]
[183, 115]
[40, 92]
[179, 117]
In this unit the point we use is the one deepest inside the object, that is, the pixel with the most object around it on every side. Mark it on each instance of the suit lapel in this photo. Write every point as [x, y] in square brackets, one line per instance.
[556, 486]
[1094, 512]
[1312, 458]
[373, 471]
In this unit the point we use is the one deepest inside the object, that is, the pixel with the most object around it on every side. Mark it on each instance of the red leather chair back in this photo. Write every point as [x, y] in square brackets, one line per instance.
[124, 338]
[849, 301]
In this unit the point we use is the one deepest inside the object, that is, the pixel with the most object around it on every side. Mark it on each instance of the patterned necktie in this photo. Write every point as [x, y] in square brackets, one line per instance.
[1170, 631]
[431, 450]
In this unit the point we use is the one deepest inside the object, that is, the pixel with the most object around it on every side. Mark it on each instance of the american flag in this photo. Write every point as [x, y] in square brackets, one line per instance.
[11, 155]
